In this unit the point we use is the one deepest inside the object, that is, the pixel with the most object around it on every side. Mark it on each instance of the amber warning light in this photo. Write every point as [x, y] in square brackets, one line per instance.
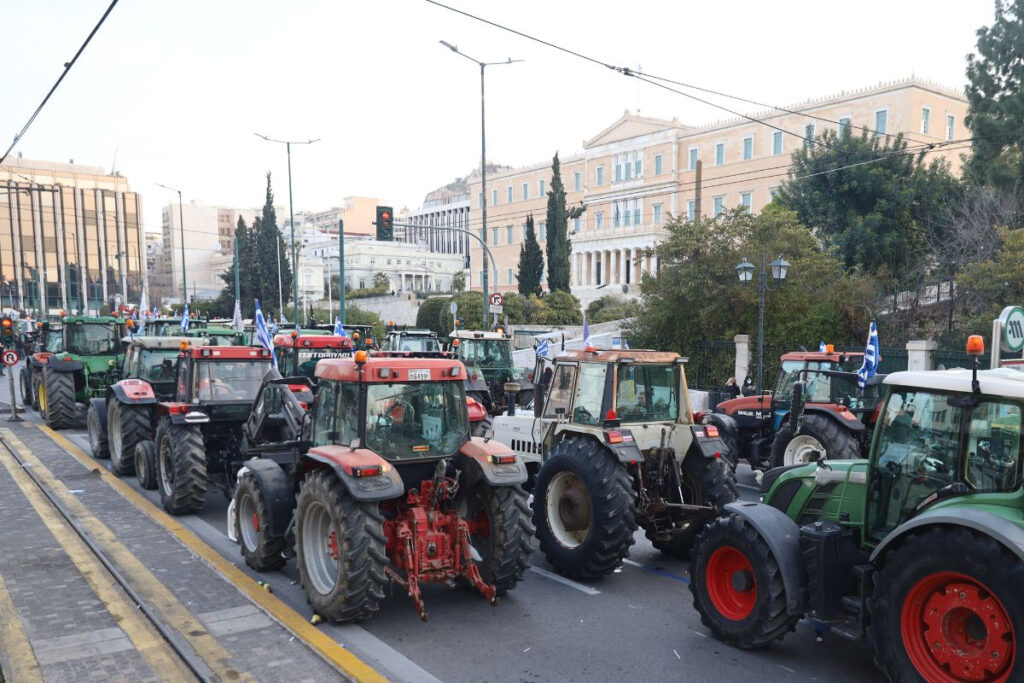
[975, 345]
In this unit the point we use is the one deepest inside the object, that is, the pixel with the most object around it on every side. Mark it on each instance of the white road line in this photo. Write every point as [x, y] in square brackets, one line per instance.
[568, 582]
[631, 563]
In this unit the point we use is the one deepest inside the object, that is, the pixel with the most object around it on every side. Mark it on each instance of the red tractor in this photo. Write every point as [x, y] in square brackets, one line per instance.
[383, 484]
[297, 353]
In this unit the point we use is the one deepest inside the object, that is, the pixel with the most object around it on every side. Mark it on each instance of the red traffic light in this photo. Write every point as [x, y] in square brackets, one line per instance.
[6, 322]
[386, 216]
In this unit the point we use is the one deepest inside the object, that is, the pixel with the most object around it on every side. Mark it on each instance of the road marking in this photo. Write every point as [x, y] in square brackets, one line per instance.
[316, 640]
[631, 562]
[657, 570]
[144, 637]
[105, 641]
[17, 660]
[568, 582]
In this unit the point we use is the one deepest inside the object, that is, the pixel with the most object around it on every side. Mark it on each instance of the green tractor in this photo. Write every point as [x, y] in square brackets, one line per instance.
[89, 363]
[919, 547]
[488, 357]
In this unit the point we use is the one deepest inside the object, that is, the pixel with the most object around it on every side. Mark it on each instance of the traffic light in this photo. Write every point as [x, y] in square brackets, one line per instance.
[385, 225]
[6, 331]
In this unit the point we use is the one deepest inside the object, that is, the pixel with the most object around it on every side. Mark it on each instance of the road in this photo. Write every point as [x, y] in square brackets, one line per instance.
[637, 623]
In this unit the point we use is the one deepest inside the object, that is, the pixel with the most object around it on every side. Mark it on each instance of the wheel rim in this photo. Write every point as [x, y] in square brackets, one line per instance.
[731, 584]
[568, 509]
[140, 466]
[248, 521]
[114, 436]
[479, 532]
[42, 398]
[94, 431]
[166, 467]
[320, 548]
[798, 450]
[956, 629]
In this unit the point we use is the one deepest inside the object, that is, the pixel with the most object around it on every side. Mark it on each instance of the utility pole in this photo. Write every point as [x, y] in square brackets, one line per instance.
[238, 265]
[696, 194]
[341, 270]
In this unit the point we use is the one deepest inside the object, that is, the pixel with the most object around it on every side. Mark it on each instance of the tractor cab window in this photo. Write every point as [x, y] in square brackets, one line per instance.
[818, 385]
[560, 394]
[229, 380]
[156, 365]
[590, 392]
[414, 343]
[94, 340]
[647, 393]
[53, 341]
[421, 420]
[325, 414]
[487, 353]
[993, 447]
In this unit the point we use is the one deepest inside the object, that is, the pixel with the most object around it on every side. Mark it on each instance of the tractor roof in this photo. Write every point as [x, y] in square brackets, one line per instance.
[205, 352]
[314, 341]
[833, 357]
[414, 333]
[388, 368]
[476, 334]
[102, 320]
[148, 342]
[1000, 382]
[614, 356]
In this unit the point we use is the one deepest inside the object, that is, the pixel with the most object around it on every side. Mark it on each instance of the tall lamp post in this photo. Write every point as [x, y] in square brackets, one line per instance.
[745, 271]
[291, 219]
[483, 159]
[181, 222]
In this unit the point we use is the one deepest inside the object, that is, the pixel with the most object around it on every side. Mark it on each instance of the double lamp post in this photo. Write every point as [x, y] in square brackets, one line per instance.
[745, 271]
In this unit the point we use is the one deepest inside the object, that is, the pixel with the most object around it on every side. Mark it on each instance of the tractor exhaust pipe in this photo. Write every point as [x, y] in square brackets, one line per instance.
[538, 400]
[511, 395]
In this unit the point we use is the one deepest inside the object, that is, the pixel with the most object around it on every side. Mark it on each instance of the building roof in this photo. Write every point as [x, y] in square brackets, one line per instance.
[999, 382]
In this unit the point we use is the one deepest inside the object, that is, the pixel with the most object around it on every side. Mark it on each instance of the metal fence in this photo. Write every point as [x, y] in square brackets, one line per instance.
[711, 364]
[944, 360]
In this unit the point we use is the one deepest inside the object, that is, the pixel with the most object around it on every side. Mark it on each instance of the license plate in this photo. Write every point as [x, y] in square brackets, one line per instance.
[419, 375]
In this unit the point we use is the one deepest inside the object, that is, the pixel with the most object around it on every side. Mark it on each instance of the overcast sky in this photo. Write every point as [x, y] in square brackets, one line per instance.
[175, 89]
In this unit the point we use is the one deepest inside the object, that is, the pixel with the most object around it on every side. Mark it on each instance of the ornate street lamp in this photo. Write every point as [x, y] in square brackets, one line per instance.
[745, 272]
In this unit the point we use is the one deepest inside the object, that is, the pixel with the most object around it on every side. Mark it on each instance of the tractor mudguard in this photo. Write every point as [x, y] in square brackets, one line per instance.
[58, 364]
[39, 359]
[101, 408]
[477, 411]
[181, 413]
[134, 391]
[343, 460]
[709, 446]
[478, 451]
[846, 419]
[783, 538]
[999, 528]
[624, 447]
[277, 493]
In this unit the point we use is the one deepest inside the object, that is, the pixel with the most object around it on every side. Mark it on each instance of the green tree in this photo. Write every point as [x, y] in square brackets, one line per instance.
[247, 273]
[873, 203]
[429, 316]
[562, 308]
[988, 286]
[267, 247]
[995, 98]
[609, 308]
[531, 261]
[559, 247]
[381, 281]
[459, 281]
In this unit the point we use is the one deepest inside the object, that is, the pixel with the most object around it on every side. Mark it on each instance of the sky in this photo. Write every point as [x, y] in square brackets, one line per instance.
[173, 91]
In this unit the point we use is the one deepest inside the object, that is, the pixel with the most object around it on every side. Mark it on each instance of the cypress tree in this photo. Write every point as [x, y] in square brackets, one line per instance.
[268, 245]
[531, 261]
[559, 248]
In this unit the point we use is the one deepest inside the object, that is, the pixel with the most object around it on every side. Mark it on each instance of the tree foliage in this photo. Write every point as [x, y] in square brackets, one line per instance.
[609, 308]
[459, 281]
[531, 261]
[559, 248]
[561, 308]
[989, 285]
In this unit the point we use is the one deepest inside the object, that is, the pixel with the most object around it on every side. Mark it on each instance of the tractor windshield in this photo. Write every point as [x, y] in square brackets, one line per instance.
[229, 380]
[53, 341]
[416, 343]
[647, 393]
[94, 339]
[422, 420]
[157, 365]
[487, 353]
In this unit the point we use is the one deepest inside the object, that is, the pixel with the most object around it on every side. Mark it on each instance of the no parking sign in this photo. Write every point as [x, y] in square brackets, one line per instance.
[10, 357]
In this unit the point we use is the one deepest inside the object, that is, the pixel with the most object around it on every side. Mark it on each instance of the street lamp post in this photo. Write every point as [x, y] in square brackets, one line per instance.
[291, 218]
[745, 271]
[483, 162]
[181, 221]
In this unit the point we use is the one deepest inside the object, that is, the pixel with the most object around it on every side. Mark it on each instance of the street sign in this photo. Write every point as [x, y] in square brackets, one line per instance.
[454, 308]
[1012, 321]
[496, 304]
[10, 357]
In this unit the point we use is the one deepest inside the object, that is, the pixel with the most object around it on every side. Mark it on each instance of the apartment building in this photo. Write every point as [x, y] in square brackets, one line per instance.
[639, 172]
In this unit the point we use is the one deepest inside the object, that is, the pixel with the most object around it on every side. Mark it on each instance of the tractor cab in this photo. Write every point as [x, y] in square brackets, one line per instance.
[171, 327]
[93, 336]
[299, 352]
[361, 336]
[402, 339]
[154, 360]
[488, 356]
[218, 383]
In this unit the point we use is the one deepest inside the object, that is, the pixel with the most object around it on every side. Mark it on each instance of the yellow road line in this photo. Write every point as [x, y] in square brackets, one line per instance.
[160, 599]
[162, 660]
[17, 660]
[320, 642]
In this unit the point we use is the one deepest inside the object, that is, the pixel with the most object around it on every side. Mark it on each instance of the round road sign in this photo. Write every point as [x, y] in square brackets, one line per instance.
[496, 299]
[1012, 319]
[10, 357]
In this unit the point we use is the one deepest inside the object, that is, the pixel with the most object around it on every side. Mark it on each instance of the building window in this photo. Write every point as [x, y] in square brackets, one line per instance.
[494, 197]
[691, 209]
[694, 152]
[526, 191]
[881, 121]
[657, 214]
[926, 120]
[638, 210]
[362, 283]
[577, 181]
[599, 220]
[542, 231]
[618, 215]
[600, 176]
[844, 126]
[638, 164]
[480, 200]
[540, 188]
[658, 164]
[719, 205]
[777, 143]
[746, 199]
[618, 168]
[494, 236]
[627, 166]
[628, 213]
[772, 192]
[508, 193]
[511, 237]
[950, 126]
[748, 148]
[575, 225]
[509, 276]
[719, 154]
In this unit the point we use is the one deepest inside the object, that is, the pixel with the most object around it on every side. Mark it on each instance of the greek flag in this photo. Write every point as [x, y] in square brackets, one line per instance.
[587, 344]
[542, 348]
[184, 320]
[872, 358]
[141, 313]
[338, 329]
[236, 319]
[263, 334]
[822, 348]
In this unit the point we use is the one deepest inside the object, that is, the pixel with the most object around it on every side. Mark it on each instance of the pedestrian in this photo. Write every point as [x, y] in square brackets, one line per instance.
[732, 388]
[748, 386]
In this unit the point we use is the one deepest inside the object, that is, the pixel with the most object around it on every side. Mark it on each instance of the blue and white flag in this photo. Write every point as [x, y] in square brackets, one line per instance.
[542, 348]
[184, 320]
[587, 344]
[625, 343]
[236, 319]
[156, 313]
[263, 334]
[822, 348]
[141, 313]
[338, 329]
[872, 358]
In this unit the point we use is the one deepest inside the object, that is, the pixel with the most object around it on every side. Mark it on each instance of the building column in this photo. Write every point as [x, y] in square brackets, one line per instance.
[591, 257]
[622, 266]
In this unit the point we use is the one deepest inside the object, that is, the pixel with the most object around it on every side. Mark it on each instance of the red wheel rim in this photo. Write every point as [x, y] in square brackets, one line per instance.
[955, 629]
[332, 545]
[255, 522]
[731, 584]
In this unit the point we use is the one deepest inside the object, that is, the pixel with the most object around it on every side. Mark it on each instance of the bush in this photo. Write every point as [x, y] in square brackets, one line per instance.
[561, 308]
[609, 308]
[429, 316]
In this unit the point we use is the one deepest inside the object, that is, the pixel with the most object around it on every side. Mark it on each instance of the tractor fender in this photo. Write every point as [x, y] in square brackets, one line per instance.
[39, 358]
[342, 460]
[709, 446]
[475, 456]
[998, 528]
[134, 391]
[58, 364]
[101, 409]
[783, 538]
[844, 418]
[277, 493]
[181, 413]
[477, 411]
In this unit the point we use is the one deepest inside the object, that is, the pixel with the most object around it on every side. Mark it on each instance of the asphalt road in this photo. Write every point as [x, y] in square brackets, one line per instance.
[637, 623]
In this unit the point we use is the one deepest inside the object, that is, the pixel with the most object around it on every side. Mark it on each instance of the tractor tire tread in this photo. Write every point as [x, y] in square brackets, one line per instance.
[267, 555]
[60, 399]
[839, 443]
[188, 458]
[717, 486]
[135, 428]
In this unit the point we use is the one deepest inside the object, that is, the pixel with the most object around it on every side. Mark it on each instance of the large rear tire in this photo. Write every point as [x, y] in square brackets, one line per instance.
[340, 546]
[25, 385]
[737, 585]
[583, 508]
[500, 533]
[181, 467]
[261, 551]
[728, 432]
[36, 378]
[57, 399]
[127, 427]
[817, 433]
[705, 481]
[145, 464]
[947, 607]
[96, 423]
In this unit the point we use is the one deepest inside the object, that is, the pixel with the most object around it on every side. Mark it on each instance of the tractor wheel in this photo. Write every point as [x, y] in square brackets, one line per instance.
[705, 481]
[482, 427]
[97, 426]
[145, 464]
[583, 508]
[340, 545]
[947, 607]
[818, 433]
[500, 533]
[262, 551]
[25, 385]
[728, 432]
[737, 585]
[181, 467]
[35, 379]
[57, 399]
[127, 427]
